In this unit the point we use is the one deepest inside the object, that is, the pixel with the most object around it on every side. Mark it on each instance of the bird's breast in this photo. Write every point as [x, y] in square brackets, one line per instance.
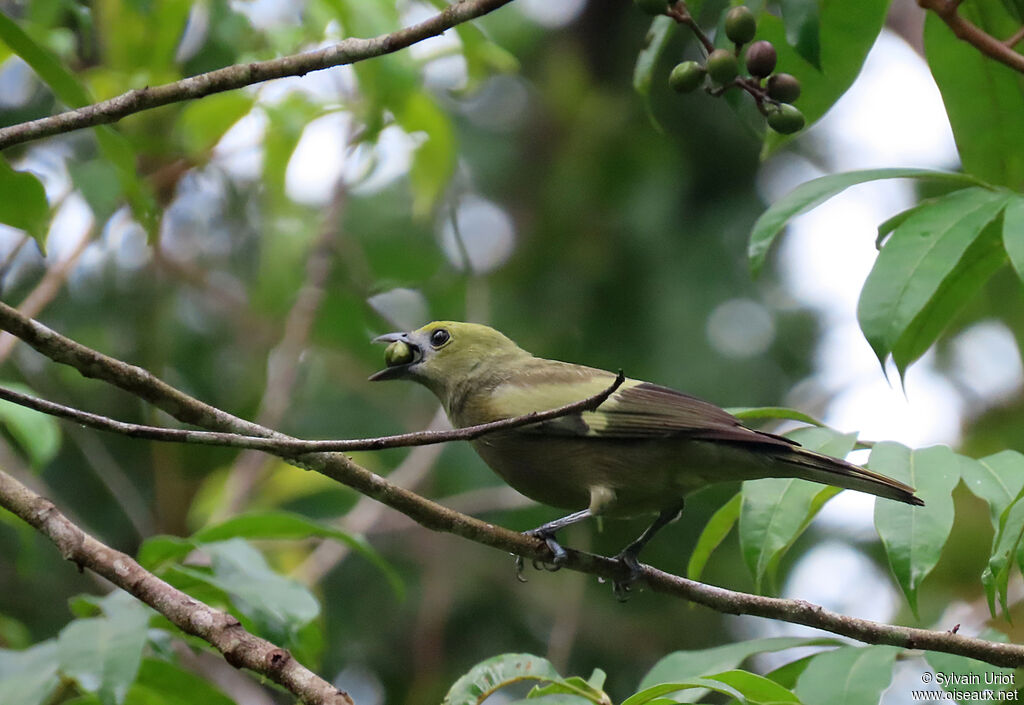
[628, 477]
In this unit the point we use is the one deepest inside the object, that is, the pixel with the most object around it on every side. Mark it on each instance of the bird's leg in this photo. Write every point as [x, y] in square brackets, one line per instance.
[546, 532]
[629, 556]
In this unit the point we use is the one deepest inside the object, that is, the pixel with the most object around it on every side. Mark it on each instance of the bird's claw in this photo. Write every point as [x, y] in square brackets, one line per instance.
[622, 588]
[559, 555]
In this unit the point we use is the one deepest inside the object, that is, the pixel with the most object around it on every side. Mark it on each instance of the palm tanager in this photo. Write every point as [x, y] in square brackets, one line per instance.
[640, 452]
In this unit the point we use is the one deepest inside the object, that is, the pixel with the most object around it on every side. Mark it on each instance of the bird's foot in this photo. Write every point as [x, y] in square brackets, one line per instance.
[622, 588]
[559, 554]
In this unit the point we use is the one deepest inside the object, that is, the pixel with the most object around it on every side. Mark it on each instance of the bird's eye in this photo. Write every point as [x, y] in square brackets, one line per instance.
[439, 337]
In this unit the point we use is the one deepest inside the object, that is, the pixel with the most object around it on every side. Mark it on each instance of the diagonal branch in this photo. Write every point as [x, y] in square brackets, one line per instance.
[974, 35]
[295, 446]
[439, 518]
[347, 51]
[240, 648]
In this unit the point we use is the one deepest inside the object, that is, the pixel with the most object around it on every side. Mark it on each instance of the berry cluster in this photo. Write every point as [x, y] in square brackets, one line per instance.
[774, 93]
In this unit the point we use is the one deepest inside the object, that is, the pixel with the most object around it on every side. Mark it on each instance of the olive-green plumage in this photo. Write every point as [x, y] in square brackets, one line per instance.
[643, 449]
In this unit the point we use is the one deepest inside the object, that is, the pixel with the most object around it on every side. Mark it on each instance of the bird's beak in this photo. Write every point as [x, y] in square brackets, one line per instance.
[394, 369]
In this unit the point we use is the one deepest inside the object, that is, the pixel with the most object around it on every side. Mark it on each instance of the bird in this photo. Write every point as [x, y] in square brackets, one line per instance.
[642, 451]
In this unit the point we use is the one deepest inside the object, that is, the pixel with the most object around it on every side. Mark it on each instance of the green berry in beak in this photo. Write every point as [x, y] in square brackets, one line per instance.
[398, 353]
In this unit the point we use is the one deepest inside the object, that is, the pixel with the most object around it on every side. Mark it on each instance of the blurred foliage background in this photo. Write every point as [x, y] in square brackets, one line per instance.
[246, 247]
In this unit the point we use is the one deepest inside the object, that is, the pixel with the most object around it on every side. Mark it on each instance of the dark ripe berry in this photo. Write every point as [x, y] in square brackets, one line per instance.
[740, 25]
[783, 87]
[786, 119]
[722, 66]
[761, 59]
[686, 77]
[652, 7]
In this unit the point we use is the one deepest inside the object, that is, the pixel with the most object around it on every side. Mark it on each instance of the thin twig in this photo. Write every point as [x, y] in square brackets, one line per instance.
[9, 258]
[434, 516]
[347, 51]
[221, 630]
[974, 35]
[681, 14]
[294, 446]
[47, 289]
[1017, 36]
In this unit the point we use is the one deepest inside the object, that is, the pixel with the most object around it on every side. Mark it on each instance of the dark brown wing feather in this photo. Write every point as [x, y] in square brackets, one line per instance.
[651, 411]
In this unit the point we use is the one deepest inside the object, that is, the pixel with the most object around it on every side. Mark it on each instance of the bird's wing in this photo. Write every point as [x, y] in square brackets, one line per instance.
[636, 410]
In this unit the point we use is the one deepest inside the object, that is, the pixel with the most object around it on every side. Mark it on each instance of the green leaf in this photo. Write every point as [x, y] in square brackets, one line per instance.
[552, 699]
[286, 525]
[932, 263]
[277, 604]
[776, 511]
[483, 57]
[657, 38]
[984, 99]
[850, 675]
[715, 531]
[285, 124]
[686, 665]
[789, 674]
[1013, 233]
[103, 654]
[813, 193]
[163, 683]
[66, 87]
[203, 122]
[803, 29]
[886, 227]
[29, 677]
[433, 162]
[913, 537]
[572, 691]
[989, 677]
[756, 413]
[158, 550]
[496, 673]
[997, 479]
[681, 691]
[740, 685]
[755, 688]
[47, 66]
[36, 433]
[387, 82]
[996, 575]
[100, 184]
[847, 31]
[24, 203]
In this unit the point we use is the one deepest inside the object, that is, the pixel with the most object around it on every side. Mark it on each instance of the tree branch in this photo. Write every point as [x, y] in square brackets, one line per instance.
[221, 630]
[347, 51]
[294, 446]
[974, 35]
[439, 518]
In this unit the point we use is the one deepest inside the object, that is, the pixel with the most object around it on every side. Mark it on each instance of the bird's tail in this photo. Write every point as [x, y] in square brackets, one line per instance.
[808, 465]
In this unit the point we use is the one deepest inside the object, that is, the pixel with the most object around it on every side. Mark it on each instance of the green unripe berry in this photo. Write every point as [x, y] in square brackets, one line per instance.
[761, 59]
[722, 66]
[398, 353]
[740, 25]
[686, 77]
[652, 7]
[783, 87]
[786, 119]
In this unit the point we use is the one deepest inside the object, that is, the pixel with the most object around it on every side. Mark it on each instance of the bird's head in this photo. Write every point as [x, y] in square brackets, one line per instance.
[446, 354]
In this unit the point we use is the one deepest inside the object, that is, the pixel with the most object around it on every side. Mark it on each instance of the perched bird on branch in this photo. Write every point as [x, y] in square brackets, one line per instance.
[642, 451]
